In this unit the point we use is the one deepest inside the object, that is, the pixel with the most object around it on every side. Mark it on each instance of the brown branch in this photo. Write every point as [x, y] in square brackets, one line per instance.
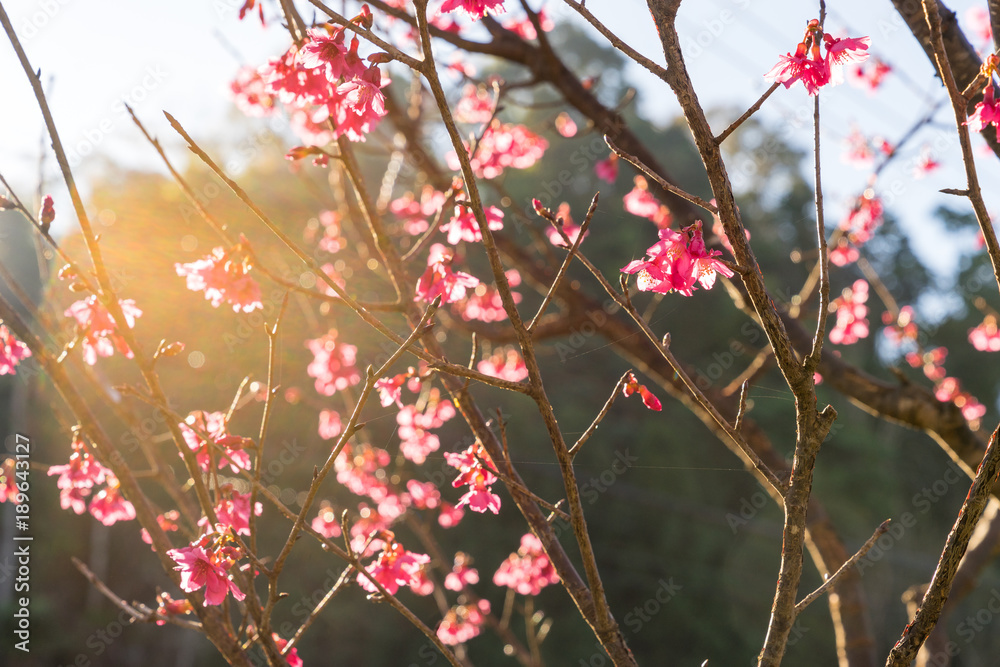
[916, 632]
[958, 103]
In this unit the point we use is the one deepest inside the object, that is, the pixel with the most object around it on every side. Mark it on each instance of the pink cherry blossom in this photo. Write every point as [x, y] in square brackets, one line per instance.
[390, 390]
[423, 495]
[485, 303]
[441, 280]
[475, 106]
[503, 146]
[869, 75]
[328, 52]
[852, 322]
[844, 253]
[223, 276]
[12, 351]
[570, 229]
[641, 202]
[474, 9]
[167, 607]
[327, 523]
[167, 522]
[329, 424]
[565, 125]
[677, 261]
[925, 163]
[109, 506]
[416, 441]
[504, 363]
[985, 337]
[528, 570]
[360, 468]
[450, 515]
[986, 112]
[479, 496]
[607, 169]
[233, 510]
[99, 330]
[525, 29]
[394, 567]
[813, 69]
[227, 449]
[333, 365]
[250, 93]
[332, 241]
[205, 564]
[462, 622]
[901, 328]
[864, 218]
[78, 477]
[461, 573]
[463, 225]
[414, 213]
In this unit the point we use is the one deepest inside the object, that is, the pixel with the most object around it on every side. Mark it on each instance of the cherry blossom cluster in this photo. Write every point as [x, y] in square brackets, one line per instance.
[441, 280]
[333, 365]
[463, 622]
[502, 146]
[479, 479]
[528, 570]
[97, 329]
[677, 261]
[206, 562]
[225, 448]
[814, 68]
[416, 440]
[414, 212]
[233, 510]
[485, 304]
[80, 476]
[326, 86]
[504, 363]
[985, 336]
[852, 314]
[463, 226]
[224, 277]
[858, 227]
[394, 567]
[12, 351]
[904, 332]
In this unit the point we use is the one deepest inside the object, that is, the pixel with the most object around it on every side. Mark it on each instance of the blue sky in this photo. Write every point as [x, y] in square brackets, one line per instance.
[180, 55]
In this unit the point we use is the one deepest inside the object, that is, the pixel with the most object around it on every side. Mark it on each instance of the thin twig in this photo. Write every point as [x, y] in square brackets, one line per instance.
[575, 449]
[669, 187]
[746, 114]
[566, 262]
[831, 580]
